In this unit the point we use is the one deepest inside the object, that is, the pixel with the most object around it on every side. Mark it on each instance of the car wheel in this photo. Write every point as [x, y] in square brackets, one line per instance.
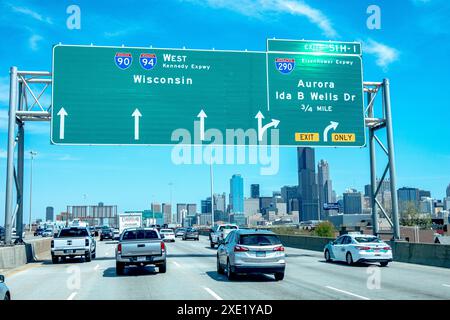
[279, 276]
[349, 258]
[88, 257]
[120, 268]
[327, 256]
[384, 263]
[101, 239]
[219, 267]
[230, 273]
[163, 267]
[94, 255]
[212, 245]
[7, 297]
[55, 260]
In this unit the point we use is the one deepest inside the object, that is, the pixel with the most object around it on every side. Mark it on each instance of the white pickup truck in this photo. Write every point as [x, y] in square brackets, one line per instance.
[140, 247]
[220, 232]
[73, 242]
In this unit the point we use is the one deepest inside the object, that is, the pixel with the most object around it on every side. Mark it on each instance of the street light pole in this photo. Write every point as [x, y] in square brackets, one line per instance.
[32, 154]
[212, 192]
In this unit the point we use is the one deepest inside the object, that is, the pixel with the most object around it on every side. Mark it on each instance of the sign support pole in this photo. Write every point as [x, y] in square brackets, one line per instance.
[390, 141]
[10, 155]
[373, 179]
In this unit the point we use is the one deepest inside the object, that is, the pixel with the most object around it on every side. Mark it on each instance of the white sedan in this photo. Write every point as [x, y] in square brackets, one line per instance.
[168, 234]
[4, 291]
[355, 247]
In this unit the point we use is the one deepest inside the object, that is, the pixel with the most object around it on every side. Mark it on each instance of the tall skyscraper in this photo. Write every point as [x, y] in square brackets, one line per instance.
[353, 202]
[325, 187]
[289, 193]
[237, 194]
[49, 214]
[448, 190]
[220, 202]
[307, 186]
[206, 205]
[156, 207]
[181, 212]
[167, 212]
[254, 191]
[407, 196]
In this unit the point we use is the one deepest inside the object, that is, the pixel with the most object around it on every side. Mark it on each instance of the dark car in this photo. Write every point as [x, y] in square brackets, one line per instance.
[106, 233]
[38, 232]
[191, 233]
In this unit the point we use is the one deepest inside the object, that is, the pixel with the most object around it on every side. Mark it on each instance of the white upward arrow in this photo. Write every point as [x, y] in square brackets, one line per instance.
[62, 114]
[333, 125]
[261, 129]
[136, 114]
[202, 115]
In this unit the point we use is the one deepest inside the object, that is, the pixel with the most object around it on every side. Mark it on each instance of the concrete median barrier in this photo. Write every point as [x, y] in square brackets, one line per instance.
[32, 250]
[436, 255]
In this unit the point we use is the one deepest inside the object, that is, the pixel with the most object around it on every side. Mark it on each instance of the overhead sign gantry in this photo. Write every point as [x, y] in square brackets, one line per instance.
[122, 95]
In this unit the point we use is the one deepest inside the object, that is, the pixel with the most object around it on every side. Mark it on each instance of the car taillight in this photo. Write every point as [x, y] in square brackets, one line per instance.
[387, 248]
[119, 248]
[163, 246]
[279, 248]
[364, 248]
[52, 244]
[86, 242]
[240, 249]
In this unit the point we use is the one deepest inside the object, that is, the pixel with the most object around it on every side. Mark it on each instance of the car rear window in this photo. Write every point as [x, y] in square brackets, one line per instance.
[75, 232]
[259, 240]
[228, 227]
[367, 239]
[140, 235]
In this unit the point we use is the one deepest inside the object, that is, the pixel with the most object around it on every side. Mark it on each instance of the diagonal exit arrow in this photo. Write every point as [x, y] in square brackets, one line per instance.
[333, 125]
[261, 129]
[62, 114]
[136, 114]
[202, 115]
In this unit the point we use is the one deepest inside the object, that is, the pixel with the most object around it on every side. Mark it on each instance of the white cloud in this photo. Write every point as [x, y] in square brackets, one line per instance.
[34, 40]
[384, 54]
[33, 14]
[259, 8]
[67, 157]
[3, 154]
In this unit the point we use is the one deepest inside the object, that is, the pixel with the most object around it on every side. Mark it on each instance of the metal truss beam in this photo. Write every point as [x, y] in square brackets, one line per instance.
[22, 85]
[374, 125]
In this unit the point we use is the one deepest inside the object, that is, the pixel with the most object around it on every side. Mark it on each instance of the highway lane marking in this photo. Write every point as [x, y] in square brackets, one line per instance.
[215, 295]
[446, 285]
[96, 267]
[177, 264]
[349, 293]
[72, 295]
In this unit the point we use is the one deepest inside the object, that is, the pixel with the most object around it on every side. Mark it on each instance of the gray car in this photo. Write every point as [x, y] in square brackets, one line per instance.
[251, 251]
[4, 291]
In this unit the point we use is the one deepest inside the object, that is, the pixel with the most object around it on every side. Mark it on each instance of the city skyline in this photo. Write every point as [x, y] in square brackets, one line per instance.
[107, 173]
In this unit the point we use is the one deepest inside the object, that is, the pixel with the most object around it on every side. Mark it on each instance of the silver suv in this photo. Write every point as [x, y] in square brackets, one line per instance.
[251, 251]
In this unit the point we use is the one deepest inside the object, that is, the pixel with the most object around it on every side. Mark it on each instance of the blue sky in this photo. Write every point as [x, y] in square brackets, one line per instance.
[411, 49]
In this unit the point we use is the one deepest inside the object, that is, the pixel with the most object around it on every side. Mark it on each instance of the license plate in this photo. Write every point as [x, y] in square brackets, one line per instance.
[260, 253]
[141, 258]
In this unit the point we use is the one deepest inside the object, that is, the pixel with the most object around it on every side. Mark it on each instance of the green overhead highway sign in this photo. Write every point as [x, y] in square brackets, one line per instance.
[148, 96]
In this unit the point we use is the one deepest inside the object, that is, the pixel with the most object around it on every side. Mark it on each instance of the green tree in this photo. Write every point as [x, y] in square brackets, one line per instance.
[325, 229]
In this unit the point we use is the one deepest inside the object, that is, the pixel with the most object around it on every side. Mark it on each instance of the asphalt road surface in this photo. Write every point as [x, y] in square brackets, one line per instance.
[191, 274]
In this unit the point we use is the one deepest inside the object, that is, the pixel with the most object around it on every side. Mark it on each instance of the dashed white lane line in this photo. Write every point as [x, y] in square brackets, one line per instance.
[215, 295]
[446, 285]
[72, 295]
[96, 267]
[177, 264]
[348, 293]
